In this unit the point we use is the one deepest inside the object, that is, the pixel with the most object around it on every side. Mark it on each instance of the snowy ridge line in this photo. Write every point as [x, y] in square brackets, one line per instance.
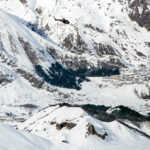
[42, 116]
[108, 110]
[143, 133]
[67, 124]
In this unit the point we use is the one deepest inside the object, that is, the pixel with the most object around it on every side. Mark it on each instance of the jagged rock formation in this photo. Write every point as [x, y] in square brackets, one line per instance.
[140, 12]
[22, 52]
[96, 37]
[92, 131]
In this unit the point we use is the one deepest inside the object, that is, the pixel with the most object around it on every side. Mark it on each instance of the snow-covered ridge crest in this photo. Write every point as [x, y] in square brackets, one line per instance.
[28, 54]
[19, 42]
[73, 126]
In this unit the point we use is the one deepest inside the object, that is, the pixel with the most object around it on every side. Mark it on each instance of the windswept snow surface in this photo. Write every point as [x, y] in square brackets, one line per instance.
[13, 29]
[118, 136]
[11, 139]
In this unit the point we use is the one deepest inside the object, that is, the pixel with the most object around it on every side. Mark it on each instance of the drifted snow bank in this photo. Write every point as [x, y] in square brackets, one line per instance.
[12, 139]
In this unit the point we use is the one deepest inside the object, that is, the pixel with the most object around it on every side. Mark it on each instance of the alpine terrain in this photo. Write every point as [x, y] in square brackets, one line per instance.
[74, 74]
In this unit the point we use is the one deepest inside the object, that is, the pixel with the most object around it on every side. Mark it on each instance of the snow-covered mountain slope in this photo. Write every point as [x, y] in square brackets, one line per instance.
[11, 139]
[70, 128]
[100, 33]
[21, 140]
[73, 126]
[100, 37]
[126, 90]
[24, 52]
[27, 68]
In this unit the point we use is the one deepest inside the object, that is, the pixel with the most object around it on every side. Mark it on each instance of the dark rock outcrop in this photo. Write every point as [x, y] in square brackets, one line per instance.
[68, 125]
[92, 131]
[143, 17]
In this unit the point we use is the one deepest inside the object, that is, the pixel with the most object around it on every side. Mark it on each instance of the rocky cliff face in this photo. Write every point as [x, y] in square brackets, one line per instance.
[39, 54]
[101, 34]
[140, 12]
[23, 54]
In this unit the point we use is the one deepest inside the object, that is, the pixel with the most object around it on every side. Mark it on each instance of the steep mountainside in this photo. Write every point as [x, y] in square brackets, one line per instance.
[100, 33]
[38, 53]
[24, 52]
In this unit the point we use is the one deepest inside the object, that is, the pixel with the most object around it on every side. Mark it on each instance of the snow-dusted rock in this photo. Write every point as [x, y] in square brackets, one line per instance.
[13, 139]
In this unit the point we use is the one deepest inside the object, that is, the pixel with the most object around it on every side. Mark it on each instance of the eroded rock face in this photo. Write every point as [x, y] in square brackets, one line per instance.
[140, 12]
[92, 131]
[68, 125]
[24, 53]
[23, 1]
[30, 52]
[102, 40]
[35, 81]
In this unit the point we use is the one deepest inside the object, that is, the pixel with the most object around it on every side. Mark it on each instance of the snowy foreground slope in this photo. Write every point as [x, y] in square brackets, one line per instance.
[70, 128]
[21, 140]
[11, 139]
[73, 126]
